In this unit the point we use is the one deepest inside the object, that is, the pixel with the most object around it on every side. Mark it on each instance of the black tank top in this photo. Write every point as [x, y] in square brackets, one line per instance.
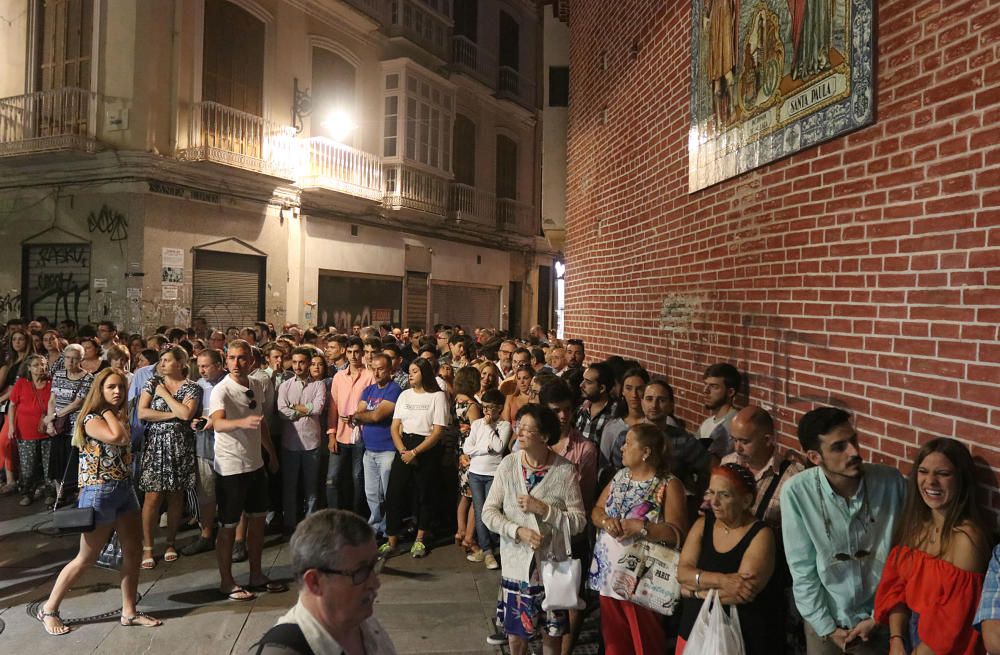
[761, 621]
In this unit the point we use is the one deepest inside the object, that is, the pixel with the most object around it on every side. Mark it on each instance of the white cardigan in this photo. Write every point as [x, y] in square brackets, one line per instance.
[559, 489]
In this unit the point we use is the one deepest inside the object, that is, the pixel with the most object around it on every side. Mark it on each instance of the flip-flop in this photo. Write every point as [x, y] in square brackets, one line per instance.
[239, 594]
[271, 587]
[129, 621]
[42, 615]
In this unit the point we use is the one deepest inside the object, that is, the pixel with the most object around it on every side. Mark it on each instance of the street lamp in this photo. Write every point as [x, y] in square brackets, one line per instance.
[338, 122]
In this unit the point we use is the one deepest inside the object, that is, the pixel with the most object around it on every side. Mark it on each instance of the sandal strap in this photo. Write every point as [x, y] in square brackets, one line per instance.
[46, 614]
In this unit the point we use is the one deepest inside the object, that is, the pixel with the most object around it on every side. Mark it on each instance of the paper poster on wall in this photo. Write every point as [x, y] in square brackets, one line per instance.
[173, 257]
[133, 293]
[172, 275]
[169, 292]
[100, 283]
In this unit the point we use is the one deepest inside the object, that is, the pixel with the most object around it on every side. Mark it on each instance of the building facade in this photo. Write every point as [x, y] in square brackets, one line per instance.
[359, 161]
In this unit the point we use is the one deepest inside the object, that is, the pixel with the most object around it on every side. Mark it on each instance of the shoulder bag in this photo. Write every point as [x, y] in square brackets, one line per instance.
[561, 578]
[72, 520]
[60, 424]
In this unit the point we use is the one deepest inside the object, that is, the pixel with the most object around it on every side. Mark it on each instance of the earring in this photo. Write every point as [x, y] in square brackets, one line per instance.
[644, 457]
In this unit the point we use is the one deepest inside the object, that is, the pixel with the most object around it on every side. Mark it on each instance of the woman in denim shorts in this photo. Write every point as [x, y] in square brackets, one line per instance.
[103, 437]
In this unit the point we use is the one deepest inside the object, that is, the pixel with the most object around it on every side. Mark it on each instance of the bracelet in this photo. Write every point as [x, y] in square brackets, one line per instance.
[697, 579]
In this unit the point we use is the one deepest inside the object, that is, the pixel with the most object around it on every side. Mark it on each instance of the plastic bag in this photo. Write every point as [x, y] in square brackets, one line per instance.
[716, 631]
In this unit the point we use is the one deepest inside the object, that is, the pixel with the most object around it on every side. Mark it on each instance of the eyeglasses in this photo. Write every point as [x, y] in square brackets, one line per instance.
[360, 575]
[253, 403]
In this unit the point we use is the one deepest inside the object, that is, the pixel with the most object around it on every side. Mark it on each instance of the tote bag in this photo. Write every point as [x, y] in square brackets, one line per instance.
[716, 631]
[561, 578]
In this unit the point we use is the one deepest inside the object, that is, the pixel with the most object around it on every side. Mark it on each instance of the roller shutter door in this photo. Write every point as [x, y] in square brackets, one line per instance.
[227, 288]
[469, 307]
[416, 300]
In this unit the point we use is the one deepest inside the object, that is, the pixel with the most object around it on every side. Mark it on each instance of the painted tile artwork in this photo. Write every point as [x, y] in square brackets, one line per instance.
[772, 77]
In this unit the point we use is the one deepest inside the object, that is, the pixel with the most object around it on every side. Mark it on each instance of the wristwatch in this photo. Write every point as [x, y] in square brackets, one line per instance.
[644, 532]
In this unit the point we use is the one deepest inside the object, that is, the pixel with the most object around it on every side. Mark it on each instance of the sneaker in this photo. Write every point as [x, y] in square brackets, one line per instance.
[199, 545]
[498, 638]
[239, 551]
[25, 501]
[418, 550]
[386, 550]
[491, 562]
[476, 556]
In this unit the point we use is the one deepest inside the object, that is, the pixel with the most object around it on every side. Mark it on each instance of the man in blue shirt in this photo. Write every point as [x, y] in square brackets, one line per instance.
[837, 520]
[374, 414]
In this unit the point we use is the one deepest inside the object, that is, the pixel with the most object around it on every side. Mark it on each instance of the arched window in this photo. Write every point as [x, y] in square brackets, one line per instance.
[233, 68]
[333, 89]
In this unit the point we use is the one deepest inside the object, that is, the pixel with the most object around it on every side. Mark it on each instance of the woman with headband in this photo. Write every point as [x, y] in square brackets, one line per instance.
[730, 551]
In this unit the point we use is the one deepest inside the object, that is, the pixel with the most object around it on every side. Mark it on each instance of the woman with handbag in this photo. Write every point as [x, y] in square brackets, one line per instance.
[642, 503]
[104, 440]
[534, 492]
[28, 403]
[729, 556]
[19, 347]
[167, 404]
[70, 385]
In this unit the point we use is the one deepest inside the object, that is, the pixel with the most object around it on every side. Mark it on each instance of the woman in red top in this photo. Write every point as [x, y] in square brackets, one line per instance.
[933, 578]
[28, 402]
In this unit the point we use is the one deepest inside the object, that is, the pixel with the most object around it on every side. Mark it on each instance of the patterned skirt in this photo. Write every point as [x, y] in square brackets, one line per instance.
[168, 462]
[519, 611]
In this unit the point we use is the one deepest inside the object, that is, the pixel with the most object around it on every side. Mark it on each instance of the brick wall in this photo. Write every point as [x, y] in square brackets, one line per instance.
[863, 272]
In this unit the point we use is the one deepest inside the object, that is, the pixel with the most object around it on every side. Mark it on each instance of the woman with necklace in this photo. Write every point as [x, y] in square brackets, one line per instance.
[28, 403]
[642, 502]
[933, 578]
[729, 550]
[70, 385]
[92, 361]
[533, 490]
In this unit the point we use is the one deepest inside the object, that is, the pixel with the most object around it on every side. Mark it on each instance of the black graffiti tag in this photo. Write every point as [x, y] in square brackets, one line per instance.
[108, 221]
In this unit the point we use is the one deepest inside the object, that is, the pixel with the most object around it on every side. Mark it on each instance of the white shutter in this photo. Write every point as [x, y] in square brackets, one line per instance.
[227, 288]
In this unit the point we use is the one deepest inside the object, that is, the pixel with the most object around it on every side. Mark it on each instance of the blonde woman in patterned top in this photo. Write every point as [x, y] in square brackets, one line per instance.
[103, 437]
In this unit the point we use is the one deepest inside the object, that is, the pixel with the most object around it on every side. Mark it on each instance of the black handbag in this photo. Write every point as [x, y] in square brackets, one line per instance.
[71, 520]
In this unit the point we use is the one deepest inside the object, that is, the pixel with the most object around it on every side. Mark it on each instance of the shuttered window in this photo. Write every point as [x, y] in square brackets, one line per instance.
[228, 289]
[416, 300]
[470, 307]
[56, 282]
[233, 69]
[67, 40]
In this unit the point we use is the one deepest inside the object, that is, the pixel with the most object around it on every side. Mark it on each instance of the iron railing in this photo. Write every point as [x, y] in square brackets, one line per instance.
[48, 120]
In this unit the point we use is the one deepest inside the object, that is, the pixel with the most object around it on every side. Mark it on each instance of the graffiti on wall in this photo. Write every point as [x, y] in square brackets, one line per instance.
[110, 222]
[58, 281]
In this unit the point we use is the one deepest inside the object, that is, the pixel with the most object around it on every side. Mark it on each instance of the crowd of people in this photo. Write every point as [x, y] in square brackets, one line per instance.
[517, 446]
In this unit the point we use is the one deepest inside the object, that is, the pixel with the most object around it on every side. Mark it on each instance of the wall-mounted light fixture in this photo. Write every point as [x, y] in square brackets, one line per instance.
[338, 123]
[301, 105]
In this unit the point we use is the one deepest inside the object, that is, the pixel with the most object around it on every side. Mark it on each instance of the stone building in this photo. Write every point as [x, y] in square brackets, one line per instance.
[317, 162]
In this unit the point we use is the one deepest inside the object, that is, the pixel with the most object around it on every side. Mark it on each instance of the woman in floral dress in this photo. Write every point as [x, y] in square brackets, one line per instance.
[168, 403]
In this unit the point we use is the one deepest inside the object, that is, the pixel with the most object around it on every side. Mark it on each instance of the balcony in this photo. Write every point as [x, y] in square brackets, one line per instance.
[514, 87]
[516, 217]
[374, 9]
[235, 138]
[468, 58]
[467, 203]
[60, 119]
[408, 188]
[421, 25]
[333, 166]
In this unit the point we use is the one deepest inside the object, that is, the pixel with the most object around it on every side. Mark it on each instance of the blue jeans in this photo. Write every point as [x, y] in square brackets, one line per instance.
[378, 464]
[298, 464]
[347, 455]
[480, 485]
[110, 499]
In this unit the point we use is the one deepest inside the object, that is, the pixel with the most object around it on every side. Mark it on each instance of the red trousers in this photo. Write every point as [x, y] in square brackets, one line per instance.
[631, 630]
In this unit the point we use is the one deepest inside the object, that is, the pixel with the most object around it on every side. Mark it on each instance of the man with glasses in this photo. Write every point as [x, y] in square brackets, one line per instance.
[240, 481]
[505, 357]
[837, 522]
[334, 559]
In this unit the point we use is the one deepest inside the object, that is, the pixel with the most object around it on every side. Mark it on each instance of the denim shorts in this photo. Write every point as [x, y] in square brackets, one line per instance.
[109, 500]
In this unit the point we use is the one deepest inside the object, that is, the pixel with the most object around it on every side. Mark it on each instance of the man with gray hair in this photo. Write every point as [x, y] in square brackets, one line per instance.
[337, 566]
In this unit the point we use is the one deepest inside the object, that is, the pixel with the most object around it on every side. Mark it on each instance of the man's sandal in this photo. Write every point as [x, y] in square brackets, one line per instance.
[60, 629]
[148, 562]
[137, 620]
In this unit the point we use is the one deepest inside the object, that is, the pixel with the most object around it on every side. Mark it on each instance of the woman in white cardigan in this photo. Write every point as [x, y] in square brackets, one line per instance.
[533, 490]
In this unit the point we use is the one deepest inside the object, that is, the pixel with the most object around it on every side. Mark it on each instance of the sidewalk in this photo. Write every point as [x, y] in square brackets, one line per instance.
[441, 604]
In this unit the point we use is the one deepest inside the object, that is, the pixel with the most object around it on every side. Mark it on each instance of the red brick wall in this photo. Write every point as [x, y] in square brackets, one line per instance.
[865, 271]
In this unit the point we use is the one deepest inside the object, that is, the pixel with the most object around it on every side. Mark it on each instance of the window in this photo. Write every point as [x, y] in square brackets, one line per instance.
[509, 38]
[465, 150]
[426, 122]
[558, 86]
[466, 18]
[506, 168]
[333, 85]
[67, 38]
[233, 72]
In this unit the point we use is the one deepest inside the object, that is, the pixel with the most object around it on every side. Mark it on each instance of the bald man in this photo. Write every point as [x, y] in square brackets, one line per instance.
[755, 447]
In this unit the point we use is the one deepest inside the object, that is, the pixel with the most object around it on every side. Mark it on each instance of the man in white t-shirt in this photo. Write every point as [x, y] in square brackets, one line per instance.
[240, 481]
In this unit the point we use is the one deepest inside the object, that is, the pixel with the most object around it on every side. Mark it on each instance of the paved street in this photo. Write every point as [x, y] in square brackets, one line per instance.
[438, 605]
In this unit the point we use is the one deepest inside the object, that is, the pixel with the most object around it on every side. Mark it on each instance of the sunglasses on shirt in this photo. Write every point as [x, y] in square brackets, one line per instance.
[253, 403]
